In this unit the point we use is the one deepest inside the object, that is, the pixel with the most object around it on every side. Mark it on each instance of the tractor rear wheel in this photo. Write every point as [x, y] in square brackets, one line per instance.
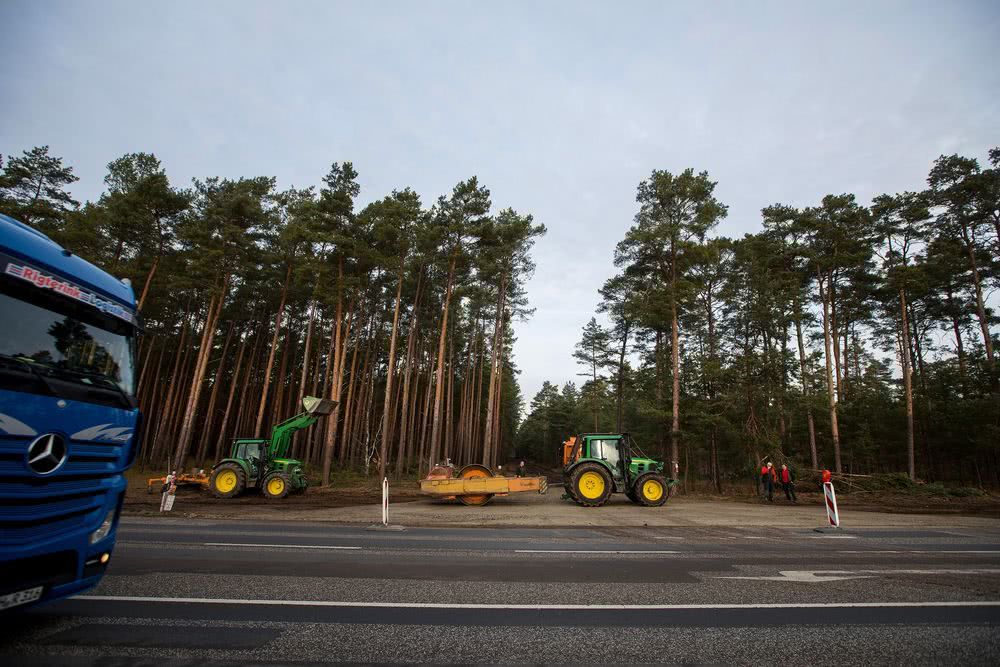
[228, 481]
[590, 485]
[651, 490]
[475, 471]
[276, 485]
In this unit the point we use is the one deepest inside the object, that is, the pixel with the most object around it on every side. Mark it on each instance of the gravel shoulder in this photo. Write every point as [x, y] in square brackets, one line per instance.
[361, 505]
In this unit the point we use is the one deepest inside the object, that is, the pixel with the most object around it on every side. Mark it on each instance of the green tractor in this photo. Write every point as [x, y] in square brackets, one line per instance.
[261, 464]
[599, 464]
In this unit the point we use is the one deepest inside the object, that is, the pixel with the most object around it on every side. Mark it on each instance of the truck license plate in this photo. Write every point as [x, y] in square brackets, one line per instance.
[20, 597]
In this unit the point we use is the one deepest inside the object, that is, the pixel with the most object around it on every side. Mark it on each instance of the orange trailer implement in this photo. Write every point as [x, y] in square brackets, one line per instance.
[476, 484]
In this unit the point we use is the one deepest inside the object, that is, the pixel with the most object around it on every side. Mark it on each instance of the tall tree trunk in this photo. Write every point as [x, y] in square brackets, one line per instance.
[390, 376]
[658, 352]
[149, 281]
[331, 423]
[984, 323]
[340, 355]
[405, 412]
[805, 383]
[835, 335]
[830, 390]
[274, 345]
[439, 386]
[220, 440]
[210, 412]
[406, 416]
[305, 373]
[959, 346]
[620, 389]
[488, 444]
[675, 417]
[904, 356]
[449, 419]
[197, 382]
[425, 427]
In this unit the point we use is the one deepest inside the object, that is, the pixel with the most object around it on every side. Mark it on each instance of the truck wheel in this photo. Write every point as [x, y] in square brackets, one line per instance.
[475, 471]
[590, 485]
[276, 485]
[651, 490]
[228, 480]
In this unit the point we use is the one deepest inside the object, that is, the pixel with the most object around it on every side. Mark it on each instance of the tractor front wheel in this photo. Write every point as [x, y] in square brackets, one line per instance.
[650, 490]
[228, 481]
[276, 485]
[590, 485]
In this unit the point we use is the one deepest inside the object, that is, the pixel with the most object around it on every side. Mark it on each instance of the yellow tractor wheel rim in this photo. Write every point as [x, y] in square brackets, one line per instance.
[591, 485]
[275, 486]
[225, 481]
[652, 490]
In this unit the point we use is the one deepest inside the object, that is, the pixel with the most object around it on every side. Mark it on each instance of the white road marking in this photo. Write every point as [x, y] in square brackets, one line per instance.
[820, 576]
[833, 537]
[582, 607]
[666, 537]
[589, 551]
[921, 551]
[803, 576]
[274, 546]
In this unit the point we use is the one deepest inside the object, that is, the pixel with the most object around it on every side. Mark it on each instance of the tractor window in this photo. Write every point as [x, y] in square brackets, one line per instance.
[248, 450]
[607, 450]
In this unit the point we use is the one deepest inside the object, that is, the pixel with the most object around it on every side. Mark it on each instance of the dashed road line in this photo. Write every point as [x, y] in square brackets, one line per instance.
[277, 546]
[591, 551]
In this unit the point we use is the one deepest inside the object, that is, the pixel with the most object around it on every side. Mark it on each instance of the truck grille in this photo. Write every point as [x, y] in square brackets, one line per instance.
[33, 508]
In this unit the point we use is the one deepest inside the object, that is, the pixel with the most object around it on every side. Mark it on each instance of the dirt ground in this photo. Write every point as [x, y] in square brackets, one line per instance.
[358, 501]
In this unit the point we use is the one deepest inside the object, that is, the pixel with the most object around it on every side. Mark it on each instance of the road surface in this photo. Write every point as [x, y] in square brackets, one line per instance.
[195, 592]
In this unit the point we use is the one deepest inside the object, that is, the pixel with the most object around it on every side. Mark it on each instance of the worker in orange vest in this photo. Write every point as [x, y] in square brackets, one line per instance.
[787, 483]
[767, 479]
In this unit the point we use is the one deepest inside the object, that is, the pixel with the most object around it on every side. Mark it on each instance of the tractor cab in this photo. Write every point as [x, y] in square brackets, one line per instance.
[253, 452]
[599, 464]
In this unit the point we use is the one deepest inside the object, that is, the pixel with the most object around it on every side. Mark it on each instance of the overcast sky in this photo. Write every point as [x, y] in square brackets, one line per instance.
[560, 108]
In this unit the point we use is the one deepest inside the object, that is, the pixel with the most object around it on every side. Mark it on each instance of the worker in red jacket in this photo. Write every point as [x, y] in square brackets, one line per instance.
[787, 483]
[767, 480]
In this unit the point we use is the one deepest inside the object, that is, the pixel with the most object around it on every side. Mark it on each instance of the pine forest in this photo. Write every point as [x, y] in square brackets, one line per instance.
[849, 335]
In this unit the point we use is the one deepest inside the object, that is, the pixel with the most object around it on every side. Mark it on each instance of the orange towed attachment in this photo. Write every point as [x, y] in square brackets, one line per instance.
[568, 451]
[183, 479]
[476, 484]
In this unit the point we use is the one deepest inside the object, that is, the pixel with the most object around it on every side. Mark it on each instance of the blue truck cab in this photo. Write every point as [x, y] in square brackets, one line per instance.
[69, 423]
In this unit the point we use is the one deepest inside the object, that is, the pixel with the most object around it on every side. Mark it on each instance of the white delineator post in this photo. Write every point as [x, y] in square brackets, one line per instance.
[831, 504]
[385, 501]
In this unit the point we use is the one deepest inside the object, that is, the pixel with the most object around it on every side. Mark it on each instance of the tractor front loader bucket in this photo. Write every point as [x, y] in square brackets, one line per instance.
[318, 406]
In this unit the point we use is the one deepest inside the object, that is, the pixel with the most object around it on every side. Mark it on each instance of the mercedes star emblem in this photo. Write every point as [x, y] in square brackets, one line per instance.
[46, 453]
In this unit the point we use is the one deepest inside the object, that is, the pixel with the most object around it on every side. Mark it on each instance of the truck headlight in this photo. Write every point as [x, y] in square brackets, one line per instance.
[105, 528]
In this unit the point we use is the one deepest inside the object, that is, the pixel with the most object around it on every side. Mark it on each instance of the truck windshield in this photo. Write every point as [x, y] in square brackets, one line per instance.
[65, 350]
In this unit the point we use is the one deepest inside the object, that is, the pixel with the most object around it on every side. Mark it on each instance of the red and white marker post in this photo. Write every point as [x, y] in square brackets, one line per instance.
[831, 500]
[385, 501]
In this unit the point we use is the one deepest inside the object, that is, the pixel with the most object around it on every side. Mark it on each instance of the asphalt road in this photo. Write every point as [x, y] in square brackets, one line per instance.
[210, 592]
